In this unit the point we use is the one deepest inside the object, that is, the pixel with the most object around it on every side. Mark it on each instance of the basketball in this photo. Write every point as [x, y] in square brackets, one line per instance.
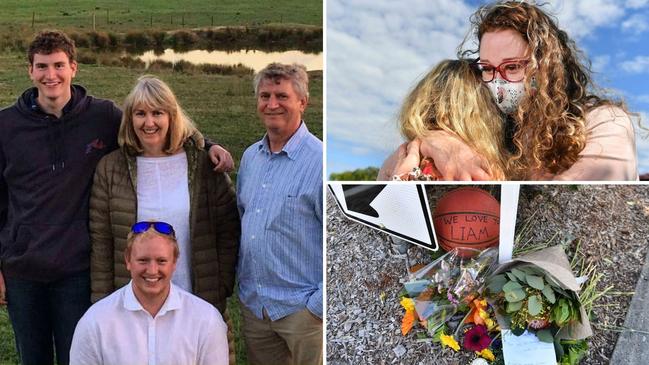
[467, 218]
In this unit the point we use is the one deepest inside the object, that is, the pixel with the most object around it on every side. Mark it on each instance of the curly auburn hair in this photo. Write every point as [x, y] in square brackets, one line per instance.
[551, 127]
[453, 98]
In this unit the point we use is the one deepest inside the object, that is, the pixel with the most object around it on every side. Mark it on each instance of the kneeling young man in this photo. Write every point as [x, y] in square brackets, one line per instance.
[150, 321]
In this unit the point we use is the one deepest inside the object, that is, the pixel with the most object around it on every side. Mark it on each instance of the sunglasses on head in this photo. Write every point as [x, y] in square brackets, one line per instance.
[160, 227]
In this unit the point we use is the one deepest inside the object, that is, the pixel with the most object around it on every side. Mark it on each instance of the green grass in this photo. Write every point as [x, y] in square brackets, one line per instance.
[124, 15]
[7, 344]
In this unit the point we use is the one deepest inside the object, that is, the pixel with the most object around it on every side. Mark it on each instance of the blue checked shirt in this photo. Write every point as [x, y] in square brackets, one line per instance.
[280, 203]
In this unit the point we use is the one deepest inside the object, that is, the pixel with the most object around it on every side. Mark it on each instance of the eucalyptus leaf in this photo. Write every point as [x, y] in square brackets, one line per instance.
[534, 305]
[515, 295]
[514, 306]
[545, 336]
[548, 293]
[535, 282]
[519, 274]
[512, 285]
[496, 283]
[511, 276]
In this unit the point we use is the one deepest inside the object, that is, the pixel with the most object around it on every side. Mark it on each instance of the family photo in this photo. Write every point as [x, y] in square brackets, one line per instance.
[148, 207]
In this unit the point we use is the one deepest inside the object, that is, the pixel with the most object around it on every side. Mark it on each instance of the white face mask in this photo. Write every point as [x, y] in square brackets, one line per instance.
[507, 94]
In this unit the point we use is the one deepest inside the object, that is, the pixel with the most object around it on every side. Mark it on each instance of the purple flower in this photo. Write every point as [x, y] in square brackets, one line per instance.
[477, 338]
[451, 298]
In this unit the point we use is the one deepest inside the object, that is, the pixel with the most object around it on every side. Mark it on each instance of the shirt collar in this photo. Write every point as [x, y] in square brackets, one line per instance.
[293, 144]
[132, 304]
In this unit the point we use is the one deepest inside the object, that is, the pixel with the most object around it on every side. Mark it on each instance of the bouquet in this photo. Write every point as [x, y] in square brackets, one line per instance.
[538, 293]
[444, 297]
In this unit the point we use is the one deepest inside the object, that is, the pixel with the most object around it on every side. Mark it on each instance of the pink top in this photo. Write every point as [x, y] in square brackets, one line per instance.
[610, 152]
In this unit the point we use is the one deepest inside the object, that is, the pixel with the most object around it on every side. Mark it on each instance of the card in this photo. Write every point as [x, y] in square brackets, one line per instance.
[526, 349]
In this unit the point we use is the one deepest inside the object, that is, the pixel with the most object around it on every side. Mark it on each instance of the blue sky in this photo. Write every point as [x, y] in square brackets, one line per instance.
[378, 49]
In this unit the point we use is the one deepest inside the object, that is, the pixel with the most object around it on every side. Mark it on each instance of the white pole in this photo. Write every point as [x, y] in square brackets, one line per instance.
[508, 210]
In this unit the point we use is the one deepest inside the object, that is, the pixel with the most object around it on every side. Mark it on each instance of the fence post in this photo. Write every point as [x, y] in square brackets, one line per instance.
[151, 21]
[93, 21]
[33, 17]
[212, 20]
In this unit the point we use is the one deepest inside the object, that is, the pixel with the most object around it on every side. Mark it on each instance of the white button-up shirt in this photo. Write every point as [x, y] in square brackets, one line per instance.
[117, 331]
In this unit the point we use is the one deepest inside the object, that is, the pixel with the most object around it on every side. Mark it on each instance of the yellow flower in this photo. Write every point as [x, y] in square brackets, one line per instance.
[449, 341]
[490, 323]
[487, 354]
[408, 304]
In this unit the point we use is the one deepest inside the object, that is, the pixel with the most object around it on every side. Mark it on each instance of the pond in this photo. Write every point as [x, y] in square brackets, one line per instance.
[254, 59]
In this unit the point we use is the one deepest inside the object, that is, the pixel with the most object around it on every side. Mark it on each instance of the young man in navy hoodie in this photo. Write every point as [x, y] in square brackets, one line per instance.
[52, 138]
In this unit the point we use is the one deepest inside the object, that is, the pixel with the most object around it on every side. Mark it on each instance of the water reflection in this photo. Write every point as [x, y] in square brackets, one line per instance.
[256, 60]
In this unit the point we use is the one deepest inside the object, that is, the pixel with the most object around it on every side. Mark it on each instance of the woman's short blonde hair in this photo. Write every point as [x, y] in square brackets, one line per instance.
[452, 97]
[152, 93]
[148, 234]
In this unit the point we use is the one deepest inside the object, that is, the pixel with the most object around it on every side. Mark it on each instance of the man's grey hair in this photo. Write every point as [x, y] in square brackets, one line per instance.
[295, 73]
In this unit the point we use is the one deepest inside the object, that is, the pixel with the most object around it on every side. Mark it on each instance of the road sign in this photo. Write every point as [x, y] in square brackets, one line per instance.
[401, 210]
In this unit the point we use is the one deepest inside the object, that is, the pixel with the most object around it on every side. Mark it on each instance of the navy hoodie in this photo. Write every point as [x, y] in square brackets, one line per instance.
[47, 167]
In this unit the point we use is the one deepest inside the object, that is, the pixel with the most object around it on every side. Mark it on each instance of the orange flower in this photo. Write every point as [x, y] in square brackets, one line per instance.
[407, 322]
[477, 306]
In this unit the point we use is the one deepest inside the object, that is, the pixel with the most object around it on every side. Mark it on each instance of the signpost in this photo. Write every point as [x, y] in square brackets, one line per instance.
[402, 210]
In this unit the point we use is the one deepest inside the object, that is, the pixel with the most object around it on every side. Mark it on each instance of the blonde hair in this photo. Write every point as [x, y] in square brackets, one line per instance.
[551, 127]
[451, 97]
[149, 233]
[153, 93]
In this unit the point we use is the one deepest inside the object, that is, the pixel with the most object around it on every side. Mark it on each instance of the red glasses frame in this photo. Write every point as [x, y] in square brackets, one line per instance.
[500, 69]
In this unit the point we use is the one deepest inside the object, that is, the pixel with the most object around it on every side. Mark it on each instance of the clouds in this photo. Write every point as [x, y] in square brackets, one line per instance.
[580, 18]
[637, 65]
[376, 50]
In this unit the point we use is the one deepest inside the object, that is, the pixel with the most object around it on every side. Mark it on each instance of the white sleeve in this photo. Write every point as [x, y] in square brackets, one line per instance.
[85, 343]
[213, 348]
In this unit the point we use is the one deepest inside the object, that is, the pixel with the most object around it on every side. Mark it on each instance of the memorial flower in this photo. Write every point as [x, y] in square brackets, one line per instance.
[477, 338]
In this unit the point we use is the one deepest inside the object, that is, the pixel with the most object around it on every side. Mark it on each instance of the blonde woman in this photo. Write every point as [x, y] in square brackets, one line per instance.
[161, 172]
[452, 99]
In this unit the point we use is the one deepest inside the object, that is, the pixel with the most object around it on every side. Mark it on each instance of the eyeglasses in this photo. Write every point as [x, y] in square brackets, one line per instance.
[160, 227]
[512, 71]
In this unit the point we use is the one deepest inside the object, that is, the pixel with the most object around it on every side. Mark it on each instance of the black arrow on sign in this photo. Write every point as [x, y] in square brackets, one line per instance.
[359, 198]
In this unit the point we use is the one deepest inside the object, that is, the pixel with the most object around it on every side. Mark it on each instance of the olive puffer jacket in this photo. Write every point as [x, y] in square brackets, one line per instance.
[214, 225]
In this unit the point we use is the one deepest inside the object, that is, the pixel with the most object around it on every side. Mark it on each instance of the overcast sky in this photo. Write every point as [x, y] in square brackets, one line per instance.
[378, 49]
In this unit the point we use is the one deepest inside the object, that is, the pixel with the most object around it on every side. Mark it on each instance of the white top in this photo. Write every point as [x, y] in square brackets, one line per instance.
[163, 195]
[117, 331]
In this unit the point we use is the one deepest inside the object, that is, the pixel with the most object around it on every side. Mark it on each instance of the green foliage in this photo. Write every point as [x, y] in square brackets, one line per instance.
[572, 351]
[366, 174]
[529, 296]
[8, 353]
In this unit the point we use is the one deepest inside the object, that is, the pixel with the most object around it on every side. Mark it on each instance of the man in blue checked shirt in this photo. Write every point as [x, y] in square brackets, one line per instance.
[280, 202]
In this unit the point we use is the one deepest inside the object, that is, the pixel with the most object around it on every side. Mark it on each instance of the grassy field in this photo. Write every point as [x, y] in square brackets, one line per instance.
[124, 15]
